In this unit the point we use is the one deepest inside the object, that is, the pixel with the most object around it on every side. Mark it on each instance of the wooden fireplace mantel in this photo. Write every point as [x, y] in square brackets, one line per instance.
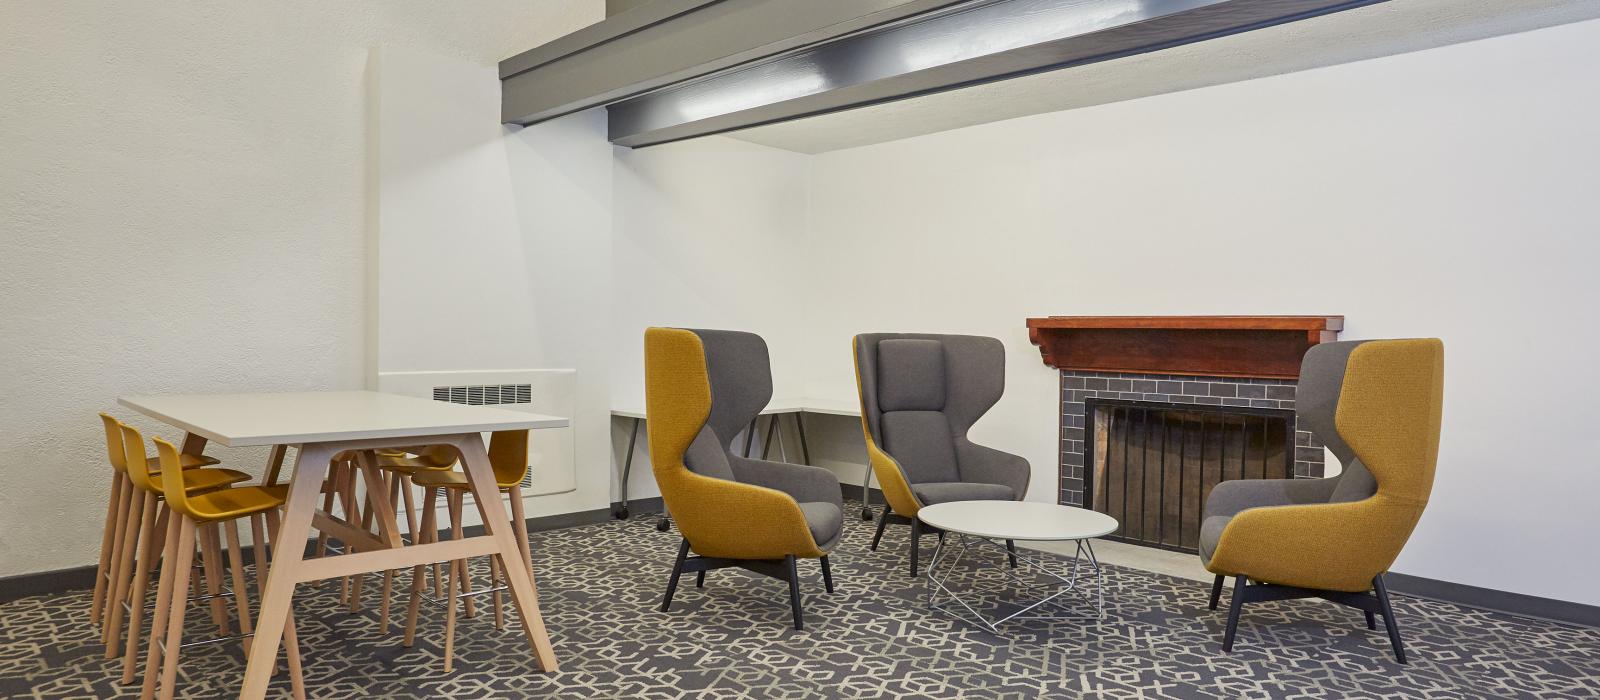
[1223, 346]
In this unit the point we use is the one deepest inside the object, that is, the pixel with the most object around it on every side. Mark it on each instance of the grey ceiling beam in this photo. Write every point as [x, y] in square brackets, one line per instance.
[666, 42]
[942, 49]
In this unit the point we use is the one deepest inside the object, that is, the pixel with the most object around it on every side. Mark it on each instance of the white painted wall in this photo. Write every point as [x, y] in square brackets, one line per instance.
[492, 245]
[1445, 193]
[184, 209]
[708, 234]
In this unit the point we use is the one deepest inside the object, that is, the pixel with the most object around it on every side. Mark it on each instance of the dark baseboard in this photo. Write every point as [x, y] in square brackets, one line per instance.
[640, 505]
[82, 577]
[79, 578]
[45, 582]
[1491, 599]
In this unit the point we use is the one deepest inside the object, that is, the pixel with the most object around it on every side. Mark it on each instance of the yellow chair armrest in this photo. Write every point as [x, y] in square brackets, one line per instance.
[1330, 546]
[723, 518]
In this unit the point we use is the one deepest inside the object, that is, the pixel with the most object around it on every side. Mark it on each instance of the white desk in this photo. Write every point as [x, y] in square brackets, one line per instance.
[323, 424]
[776, 408]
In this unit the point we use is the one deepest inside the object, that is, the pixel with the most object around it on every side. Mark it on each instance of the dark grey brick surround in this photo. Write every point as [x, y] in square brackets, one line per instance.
[1172, 389]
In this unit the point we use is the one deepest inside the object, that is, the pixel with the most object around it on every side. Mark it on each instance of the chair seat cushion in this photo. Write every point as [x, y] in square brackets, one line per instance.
[1211, 533]
[188, 461]
[196, 480]
[946, 492]
[825, 520]
[233, 502]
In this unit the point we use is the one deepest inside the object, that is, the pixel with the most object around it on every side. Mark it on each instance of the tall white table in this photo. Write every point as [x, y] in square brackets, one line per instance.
[324, 424]
[988, 523]
[774, 409]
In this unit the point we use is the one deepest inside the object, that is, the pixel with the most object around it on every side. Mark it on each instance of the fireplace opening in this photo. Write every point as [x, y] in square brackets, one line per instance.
[1152, 464]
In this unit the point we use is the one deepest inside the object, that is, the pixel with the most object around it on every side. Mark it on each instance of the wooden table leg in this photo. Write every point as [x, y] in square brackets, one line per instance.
[311, 466]
[193, 444]
[274, 465]
[480, 477]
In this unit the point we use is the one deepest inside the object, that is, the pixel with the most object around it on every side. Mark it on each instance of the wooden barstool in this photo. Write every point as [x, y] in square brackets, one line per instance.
[204, 514]
[138, 512]
[401, 466]
[390, 473]
[152, 516]
[117, 510]
[508, 454]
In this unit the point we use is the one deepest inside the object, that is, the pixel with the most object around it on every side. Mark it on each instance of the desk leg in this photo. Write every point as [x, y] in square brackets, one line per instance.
[800, 428]
[480, 478]
[627, 469]
[749, 435]
[310, 467]
[766, 442]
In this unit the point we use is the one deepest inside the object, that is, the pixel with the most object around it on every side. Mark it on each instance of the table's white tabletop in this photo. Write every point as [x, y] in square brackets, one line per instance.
[775, 406]
[1018, 520]
[244, 420]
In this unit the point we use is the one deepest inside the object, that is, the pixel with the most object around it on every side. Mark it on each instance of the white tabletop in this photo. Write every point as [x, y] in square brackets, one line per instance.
[243, 420]
[1018, 520]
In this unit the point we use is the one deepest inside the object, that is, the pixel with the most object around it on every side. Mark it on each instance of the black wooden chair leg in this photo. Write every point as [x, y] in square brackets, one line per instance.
[700, 580]
[677, 570]
[1388, 618]
[1011, 552]
[1234, 606]
[1372, 622]
[827, 575]
[794, 592]
[883, 522]
[1216, 591]
[916, 544]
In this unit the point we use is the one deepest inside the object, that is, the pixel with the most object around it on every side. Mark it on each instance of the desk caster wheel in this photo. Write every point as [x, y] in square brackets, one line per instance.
[663, 525]
[866, 514]
[620, 513]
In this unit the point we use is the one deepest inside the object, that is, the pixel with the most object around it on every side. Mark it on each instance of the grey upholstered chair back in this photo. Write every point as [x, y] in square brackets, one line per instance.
[1316, 406]
[921, 393]
[740, 373]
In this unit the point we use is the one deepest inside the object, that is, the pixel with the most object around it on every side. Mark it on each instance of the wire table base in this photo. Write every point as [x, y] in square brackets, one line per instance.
[1062, 585]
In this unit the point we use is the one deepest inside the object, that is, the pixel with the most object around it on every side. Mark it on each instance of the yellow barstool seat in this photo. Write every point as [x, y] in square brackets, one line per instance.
[229, 504]
[187, 461]
[206, 516]
[197, 480]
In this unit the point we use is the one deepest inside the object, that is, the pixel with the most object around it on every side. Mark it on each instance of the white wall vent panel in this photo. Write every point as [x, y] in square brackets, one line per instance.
[548, 391]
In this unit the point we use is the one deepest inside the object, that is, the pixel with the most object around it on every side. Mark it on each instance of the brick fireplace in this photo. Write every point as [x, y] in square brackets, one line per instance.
[1157, 410]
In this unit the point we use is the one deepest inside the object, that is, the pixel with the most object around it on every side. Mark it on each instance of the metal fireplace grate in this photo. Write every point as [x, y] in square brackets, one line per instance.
[1151, 465]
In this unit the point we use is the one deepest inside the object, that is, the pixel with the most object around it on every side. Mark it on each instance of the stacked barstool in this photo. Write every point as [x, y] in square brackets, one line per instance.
[131, 517]
[508, 454]
[204, 516]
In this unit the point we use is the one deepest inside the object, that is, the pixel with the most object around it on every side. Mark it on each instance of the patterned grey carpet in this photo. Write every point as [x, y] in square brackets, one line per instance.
[600, 586]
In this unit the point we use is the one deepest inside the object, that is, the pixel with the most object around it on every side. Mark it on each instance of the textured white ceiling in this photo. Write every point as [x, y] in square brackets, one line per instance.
[1389, 28]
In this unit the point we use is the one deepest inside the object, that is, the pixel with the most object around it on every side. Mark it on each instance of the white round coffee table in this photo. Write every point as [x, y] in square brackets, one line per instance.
[991, 523]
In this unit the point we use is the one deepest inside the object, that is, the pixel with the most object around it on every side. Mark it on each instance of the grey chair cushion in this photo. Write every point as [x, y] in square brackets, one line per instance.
[1210, 533]
[741, 379]
[910, 375]
[947, 492]
[1355, 484]
[920, 441]
[825, 520]
[706, 458]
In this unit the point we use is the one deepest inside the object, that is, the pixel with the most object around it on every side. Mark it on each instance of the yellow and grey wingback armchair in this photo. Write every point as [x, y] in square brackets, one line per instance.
[1376, 404]
[920, 394]
[701, 388]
